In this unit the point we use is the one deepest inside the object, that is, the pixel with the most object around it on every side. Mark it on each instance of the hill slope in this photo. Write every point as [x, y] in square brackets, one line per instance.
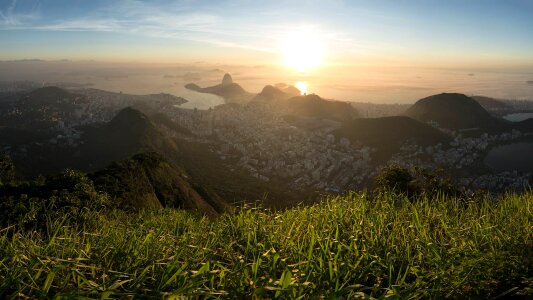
[148, 181]
[128, 133]
[376, 246]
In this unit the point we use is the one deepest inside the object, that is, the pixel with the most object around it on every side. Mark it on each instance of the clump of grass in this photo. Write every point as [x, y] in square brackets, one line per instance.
[345, 246]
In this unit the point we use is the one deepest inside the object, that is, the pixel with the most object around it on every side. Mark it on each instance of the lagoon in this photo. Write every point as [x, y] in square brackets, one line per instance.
[518, 117]
[517, 156]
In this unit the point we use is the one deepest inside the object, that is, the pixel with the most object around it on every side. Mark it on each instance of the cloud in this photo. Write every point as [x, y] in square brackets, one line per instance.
[83, 25]
[7, 15]
[226, 24]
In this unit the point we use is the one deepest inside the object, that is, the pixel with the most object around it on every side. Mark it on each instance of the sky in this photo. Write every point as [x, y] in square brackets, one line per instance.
[451, 33]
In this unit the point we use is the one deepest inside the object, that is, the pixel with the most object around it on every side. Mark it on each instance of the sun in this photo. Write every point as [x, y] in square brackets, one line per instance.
[302, 49]
[302, 86]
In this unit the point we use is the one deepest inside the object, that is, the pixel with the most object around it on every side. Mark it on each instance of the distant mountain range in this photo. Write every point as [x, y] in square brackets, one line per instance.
[284, 97]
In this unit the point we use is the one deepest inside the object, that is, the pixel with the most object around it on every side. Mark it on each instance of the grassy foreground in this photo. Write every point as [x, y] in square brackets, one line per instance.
[350, 246]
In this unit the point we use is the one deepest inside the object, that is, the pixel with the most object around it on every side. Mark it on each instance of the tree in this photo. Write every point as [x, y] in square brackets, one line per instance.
[416, 181]
[395, 178]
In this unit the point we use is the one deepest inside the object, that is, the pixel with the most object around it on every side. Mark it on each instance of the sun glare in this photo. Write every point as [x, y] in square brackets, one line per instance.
[302, 86]
[302, 50]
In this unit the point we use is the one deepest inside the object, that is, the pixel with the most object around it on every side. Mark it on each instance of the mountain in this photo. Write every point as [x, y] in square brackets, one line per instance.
[454, 111]
[128, 133]
[149, 181]
[279, 91]
[145, 181]
[50, 95]
[312, 106]
[227, 80]
[270, 93]
[227, 89]
[288, 89]
[387, 134]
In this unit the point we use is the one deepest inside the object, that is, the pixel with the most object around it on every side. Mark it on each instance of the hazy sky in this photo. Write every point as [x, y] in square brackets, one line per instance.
[470, 33]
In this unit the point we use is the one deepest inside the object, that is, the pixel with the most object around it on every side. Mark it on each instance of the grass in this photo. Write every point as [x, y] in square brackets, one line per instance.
[350, 246]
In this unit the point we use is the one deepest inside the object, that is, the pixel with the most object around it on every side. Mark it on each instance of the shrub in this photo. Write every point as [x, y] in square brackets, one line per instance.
[7, 170]
[416, 182]
[30, 203]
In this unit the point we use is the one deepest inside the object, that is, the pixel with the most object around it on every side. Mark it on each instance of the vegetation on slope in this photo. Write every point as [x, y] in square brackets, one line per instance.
[347, 246]
[148, 181]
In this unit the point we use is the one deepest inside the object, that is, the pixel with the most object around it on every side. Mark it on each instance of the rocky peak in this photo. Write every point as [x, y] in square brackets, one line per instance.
[227, 80]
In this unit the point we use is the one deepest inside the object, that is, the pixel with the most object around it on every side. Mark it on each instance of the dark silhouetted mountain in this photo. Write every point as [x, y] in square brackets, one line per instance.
[227, 80]
[128, 133]
[454, 111]
[270, 93]
[312, 106]
[288, 89]
[49, 95]
[280, 91]
[387, 134]
[194, 87]
[230, 91]
[149, 181]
